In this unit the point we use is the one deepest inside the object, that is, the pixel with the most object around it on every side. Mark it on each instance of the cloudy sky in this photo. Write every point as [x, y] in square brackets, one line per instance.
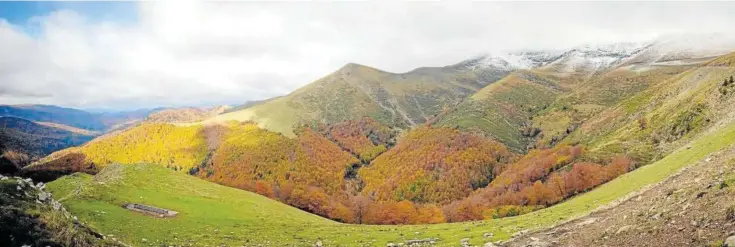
[138, 55]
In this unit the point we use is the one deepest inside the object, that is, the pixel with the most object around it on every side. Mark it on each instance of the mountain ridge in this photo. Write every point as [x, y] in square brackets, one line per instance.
[573, 124]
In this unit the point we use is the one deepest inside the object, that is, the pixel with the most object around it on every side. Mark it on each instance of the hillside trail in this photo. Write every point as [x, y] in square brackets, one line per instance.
[689, 208]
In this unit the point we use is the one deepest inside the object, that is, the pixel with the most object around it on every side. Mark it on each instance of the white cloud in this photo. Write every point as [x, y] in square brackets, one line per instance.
[184, 53]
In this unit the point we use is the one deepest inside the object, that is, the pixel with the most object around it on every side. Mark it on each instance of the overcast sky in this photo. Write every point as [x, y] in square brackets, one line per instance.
[138, 55]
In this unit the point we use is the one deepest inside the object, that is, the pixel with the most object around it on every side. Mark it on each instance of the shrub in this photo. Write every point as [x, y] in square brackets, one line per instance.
[717, 243]
[730, 213]
[642, 122]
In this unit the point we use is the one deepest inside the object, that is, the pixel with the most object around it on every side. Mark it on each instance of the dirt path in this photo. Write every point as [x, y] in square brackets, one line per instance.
[688, 209]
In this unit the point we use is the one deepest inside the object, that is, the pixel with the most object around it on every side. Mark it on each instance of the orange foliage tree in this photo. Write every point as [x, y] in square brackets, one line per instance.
[541, 178]
[365, 138]
[433, 165]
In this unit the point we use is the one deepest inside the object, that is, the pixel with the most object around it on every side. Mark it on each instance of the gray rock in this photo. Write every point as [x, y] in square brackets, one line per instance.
[43, 196]
[420, 242]
[489, 244]
[518, 234]
[730, 241]
[587, 222]
[464, 242]
[623, 229]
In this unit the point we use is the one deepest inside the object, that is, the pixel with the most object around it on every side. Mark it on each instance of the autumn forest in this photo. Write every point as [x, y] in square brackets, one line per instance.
[357, 171]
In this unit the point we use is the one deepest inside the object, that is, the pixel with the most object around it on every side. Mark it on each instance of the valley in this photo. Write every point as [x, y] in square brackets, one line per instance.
[212, 214]
[499, 150]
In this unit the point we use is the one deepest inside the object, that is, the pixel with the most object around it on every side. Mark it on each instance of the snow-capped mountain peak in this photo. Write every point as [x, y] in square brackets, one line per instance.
[592, 58]
[516, 60]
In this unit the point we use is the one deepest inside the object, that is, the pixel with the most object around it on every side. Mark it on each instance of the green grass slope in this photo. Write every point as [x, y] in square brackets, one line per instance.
[654, 121]
[539, 108]
[503, 108]
[356, 91]
[212, 215]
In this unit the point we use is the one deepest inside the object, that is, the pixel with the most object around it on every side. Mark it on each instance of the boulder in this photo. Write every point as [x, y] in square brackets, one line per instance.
[464, 242]
[730, 241]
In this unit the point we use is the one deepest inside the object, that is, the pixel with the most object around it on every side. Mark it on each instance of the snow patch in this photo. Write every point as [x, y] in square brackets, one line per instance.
[592, 58]
[516, 60]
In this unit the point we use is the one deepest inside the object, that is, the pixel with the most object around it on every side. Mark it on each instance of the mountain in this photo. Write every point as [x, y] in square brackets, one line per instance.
[116, 120]
[560, 134]
[23, 141]
[98, 121]
[249, 104]
[54, 114]
[401, 100]
[184, 114]
[30, 132]
[668, 112]
[594, 58]
[538, 107]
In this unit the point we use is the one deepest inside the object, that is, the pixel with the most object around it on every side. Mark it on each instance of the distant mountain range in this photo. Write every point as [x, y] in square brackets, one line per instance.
[458, 92]
[23, 141]
[497, 95]
[30, 132]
